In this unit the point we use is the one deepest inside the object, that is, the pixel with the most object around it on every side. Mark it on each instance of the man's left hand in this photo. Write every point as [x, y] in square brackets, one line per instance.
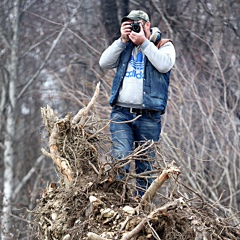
[138, 38]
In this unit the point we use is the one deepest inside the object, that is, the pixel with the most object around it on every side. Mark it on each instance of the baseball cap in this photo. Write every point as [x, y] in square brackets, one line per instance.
[136, 15]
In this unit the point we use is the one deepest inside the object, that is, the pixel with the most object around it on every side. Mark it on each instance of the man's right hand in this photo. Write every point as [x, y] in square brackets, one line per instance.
[126, 29]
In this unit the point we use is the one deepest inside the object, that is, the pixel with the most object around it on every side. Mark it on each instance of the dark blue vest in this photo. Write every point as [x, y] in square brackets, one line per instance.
[155, 84]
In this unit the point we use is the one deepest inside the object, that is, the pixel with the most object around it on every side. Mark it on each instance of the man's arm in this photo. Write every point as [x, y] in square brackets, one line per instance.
[163, 58]
[110, 57]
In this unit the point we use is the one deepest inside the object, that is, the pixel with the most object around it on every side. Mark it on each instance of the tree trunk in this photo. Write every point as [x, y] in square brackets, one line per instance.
[110, 19]
[124, 7]
[8, 157]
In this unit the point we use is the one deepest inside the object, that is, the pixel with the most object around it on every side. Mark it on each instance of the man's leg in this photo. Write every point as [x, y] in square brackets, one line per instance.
[121, 133]
[147, 127]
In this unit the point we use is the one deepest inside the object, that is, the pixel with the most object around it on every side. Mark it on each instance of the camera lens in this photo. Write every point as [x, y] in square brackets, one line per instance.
[135, 27]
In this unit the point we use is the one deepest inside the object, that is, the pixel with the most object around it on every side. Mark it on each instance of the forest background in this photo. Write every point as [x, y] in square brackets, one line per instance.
[49, 53]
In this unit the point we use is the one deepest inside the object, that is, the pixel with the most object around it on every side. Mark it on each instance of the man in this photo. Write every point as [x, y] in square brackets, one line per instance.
[140, 87]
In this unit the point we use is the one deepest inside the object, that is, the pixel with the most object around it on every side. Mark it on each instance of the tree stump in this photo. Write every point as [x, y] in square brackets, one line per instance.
[89, 203]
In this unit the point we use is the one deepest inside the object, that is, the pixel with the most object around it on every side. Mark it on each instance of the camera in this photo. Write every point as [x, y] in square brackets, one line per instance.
[136, 27]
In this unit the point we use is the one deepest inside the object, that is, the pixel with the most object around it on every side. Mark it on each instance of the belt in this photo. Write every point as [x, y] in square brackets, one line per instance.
[137, 111]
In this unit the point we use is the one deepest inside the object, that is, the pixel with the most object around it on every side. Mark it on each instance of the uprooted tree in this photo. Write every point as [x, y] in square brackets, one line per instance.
[90, 202]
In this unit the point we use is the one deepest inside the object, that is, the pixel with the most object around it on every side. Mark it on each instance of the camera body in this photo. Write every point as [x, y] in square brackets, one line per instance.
[136, 27]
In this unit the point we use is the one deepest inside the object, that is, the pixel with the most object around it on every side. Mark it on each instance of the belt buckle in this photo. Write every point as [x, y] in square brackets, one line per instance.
[136, 111]
[131, 110]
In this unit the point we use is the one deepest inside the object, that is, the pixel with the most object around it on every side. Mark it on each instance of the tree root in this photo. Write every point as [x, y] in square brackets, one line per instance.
[169, 206]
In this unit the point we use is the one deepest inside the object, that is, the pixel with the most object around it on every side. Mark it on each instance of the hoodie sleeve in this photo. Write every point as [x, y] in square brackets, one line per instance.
[110, 57]
[162, 58]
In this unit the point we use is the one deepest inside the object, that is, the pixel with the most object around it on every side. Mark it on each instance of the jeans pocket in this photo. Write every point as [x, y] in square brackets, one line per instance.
[117, 115]
[155, 116]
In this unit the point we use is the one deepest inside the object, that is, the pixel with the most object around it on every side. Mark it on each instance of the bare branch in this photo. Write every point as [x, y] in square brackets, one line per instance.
[27, 177]
[54, 44]
[80, 117]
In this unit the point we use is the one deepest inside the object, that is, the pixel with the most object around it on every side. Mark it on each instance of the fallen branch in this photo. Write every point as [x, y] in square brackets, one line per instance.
[157, 183]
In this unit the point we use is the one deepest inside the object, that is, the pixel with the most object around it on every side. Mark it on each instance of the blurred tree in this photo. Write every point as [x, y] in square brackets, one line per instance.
[21, 64]
[9, 99]
[110, 19]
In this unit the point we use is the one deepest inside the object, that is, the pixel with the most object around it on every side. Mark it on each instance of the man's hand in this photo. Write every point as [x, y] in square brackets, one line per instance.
[125, 31]
[138, 38]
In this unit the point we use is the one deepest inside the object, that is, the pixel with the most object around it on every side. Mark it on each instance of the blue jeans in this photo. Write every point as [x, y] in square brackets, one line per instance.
[127, 136]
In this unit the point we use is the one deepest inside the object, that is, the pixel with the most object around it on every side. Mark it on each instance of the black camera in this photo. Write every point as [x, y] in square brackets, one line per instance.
[136, 27]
